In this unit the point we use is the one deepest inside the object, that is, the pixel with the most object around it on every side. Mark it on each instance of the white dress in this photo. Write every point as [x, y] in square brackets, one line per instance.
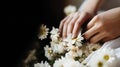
[114, 44]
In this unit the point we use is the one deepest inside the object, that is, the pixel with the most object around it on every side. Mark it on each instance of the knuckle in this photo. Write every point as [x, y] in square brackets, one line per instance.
[77, 23]
[74, 32]
[109, 34]
[85, 36]
[71, 23]
[62, 22]
[99, 26]
[66, 23]
[97, 17]
[92, 40]
[84, 13]
[106, 32]
[68, 32]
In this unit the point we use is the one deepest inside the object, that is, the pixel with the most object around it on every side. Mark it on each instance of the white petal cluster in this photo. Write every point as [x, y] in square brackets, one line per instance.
[43, 32]
[70, 9]
[71, 52]
[42, 64]
[69, 40]
[56, 43]
[54, 31]
[74, 52]
[58, 47]
[66, 62]
[104, 58]
[54, 34]
[48, 52]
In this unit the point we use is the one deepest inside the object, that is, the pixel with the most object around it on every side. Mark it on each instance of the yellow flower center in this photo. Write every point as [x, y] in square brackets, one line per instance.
[49, 51]
[100, 64]
[62, 65]
[106, 57]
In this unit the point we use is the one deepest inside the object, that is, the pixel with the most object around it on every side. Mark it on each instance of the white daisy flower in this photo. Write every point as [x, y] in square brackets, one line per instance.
[55, 35]
[54, 31]
[75, 41]
[104, 58]
[75, 52]
[95, 61]
[79, 38]
[66, 62]
[70, 9]
[42, 64]
[43, 32]
[48, 52]
[109, 56]
[69, 40]
[57, 47]
[54, 38]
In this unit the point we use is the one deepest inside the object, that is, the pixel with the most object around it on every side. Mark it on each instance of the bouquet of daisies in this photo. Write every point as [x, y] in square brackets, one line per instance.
[73, 53]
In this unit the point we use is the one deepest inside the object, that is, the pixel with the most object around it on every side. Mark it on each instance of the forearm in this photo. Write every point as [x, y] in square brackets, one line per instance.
[113, 13]
[91, 6]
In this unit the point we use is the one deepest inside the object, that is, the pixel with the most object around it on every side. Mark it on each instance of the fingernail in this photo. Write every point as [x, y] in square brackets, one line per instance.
[83, 35]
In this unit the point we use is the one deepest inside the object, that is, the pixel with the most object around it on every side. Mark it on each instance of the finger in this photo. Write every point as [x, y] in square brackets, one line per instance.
[97, 38]
[62, 24]
[91, 32]
[106, 39]
[64, 33]
[92, 22]
[71, 24]
[82, 18]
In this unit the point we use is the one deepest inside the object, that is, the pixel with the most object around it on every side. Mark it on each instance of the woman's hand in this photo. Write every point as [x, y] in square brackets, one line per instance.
[72, 24]
[104, 26]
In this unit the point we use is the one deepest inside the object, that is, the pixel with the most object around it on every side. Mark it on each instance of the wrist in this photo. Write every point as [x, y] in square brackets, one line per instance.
[90, 12]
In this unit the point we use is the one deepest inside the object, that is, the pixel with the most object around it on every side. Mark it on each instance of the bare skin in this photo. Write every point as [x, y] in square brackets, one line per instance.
[104, 26]
[72, 23]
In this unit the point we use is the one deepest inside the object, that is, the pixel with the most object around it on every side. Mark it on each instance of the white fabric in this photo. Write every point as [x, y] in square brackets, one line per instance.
[114, 44]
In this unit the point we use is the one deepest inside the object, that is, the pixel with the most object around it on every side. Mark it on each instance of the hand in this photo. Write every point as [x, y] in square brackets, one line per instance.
[72, 24]
[104, 26]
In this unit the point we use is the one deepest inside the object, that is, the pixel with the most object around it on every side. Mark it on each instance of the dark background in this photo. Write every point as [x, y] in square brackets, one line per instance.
[22, 27]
